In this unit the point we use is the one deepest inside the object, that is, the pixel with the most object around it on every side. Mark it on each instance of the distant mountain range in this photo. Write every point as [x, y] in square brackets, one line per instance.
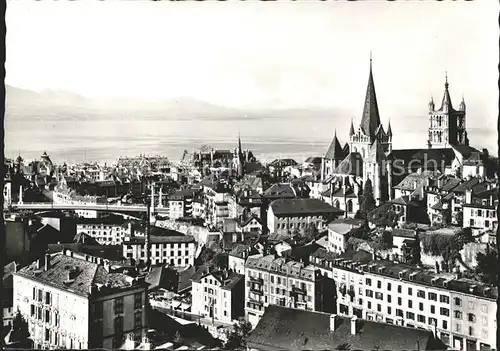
[50, 104]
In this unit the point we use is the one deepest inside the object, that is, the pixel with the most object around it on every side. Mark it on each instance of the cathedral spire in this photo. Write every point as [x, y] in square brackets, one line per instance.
[351, 130]
[389, 130]
[371, 119]
[446, 103]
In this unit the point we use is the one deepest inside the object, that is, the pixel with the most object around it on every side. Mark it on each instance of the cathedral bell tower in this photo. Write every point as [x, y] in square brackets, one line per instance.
[447, 125]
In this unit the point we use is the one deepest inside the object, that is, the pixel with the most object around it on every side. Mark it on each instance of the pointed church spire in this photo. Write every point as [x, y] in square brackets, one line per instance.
[462, 104]
[351, 130]
[371, 119]
[446, 103]
[241, 157]
[389, 130]
[431, 104]
[334, 151]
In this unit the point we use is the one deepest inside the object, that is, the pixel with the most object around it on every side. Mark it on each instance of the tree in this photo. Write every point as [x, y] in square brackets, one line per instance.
[368, 201]
[487, 266]
[20, 332]
[384, 242]
[238, 337]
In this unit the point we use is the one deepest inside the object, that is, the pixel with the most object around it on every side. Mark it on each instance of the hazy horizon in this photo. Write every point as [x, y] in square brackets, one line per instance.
[294, 70]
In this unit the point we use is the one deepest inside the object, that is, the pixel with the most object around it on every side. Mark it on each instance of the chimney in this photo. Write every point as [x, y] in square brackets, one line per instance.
[146, 344]
[468, 196]
[333, 318]
[39, 263]
[353, 325]
[47, 262]
[130, 229]
[129, 342]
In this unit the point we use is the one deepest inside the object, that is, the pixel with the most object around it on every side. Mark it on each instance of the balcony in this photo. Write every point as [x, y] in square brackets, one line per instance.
[297, 290]
[257, 280]
[256, 291]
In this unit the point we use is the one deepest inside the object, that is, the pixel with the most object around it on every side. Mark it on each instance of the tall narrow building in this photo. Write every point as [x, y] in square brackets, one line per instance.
[447, 125]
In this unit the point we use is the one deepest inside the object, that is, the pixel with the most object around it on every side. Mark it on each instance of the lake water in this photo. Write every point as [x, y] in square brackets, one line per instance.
[103, 140]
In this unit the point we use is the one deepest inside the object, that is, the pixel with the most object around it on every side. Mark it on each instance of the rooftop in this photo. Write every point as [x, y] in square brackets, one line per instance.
[313, 207]
[294, 329]
[281, 266]
[161, 239]
[411, 273]
[77, 273]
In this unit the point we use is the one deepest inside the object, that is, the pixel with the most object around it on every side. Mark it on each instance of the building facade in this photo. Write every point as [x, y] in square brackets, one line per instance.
[179, 251]
[75, 301]
[461, 312]
[276, 281]
[219, 295]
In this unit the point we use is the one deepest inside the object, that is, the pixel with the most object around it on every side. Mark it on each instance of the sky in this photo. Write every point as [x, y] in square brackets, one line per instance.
[260, 54]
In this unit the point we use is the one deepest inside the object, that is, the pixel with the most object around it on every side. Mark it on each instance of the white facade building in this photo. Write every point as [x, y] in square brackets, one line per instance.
[74, 301]
[179, 251]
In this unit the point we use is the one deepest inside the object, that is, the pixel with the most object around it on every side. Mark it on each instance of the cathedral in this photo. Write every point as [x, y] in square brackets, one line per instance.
[363, 156]
[368, 154]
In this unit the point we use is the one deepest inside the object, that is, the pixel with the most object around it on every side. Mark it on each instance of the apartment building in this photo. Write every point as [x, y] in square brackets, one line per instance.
[480, 211]
[218, 295]
[178, 250]
[462, 313]
[278, 281]
[339, 231]
[180, 204]
[106, 231]
[76, 301]
[285, 216]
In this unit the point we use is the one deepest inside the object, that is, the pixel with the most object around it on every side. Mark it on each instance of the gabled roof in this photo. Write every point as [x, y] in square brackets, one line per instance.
[334, 151]
[370, 119]
[282, 328]
[86, 273]
[295, 207]
[351, 165]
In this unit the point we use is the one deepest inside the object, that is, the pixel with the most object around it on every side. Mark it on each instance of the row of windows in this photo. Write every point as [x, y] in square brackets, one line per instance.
[486, 223]
[38, 295]
[44, 315]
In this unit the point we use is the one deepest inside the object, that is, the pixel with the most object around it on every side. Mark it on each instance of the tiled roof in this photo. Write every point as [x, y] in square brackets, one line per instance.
[416, 276]
[283, 162]
[280, 190]
[293, 329]
[335, 151]
[228, 279]
[283, 207]
[404, 233]
[161, 239]
[86, 274]
[413, 180]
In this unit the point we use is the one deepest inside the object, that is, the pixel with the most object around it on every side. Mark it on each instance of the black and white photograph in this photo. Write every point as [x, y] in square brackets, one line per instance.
[250, 175]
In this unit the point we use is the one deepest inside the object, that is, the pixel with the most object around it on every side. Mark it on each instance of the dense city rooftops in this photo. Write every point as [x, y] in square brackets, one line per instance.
[78, 273]
[282, 162]
[281, 266]
[295, 207]
[282, 328]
